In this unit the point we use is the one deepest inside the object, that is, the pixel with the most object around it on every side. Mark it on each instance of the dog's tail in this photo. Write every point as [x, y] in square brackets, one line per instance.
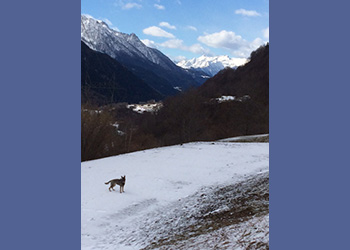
[107, 182]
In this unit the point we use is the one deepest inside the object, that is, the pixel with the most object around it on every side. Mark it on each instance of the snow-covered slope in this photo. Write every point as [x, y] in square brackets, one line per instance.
[248, 138]
[200, 195]
[212, 65]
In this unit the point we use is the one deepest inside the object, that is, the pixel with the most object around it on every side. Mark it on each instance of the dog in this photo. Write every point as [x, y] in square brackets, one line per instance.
[120, 182]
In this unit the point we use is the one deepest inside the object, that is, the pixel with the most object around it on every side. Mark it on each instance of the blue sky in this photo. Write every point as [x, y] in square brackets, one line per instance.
[188, 28]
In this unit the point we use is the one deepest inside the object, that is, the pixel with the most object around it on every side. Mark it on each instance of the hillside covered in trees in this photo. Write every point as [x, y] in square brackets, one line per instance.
[105, 81]
[234, 102]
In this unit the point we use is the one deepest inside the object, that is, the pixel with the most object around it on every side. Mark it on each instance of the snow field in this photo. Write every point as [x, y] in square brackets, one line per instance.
[156, 180]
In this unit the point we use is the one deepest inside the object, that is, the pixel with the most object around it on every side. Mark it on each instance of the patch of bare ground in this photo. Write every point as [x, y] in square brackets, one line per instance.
[223, 217]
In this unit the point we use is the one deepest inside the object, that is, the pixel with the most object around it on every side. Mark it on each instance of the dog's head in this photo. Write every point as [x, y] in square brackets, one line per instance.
[123, 178]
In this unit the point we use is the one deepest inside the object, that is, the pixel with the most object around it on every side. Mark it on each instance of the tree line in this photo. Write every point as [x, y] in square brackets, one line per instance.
[194, 115]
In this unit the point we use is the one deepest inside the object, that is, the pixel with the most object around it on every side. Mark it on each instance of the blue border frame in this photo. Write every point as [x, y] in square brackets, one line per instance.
[309, 125]
[40, 125]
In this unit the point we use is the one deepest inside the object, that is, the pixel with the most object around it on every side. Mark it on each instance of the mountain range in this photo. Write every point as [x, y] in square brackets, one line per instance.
[211, 65]
[148, 64]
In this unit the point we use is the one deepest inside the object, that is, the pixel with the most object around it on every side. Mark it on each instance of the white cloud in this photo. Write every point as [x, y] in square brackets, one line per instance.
[254, 45]
[159, 7]
[179, 58]
[222, 39]
[178, 44]
[173, 44]
[127, 5]
[198, 49]
[191, 28]
[156, 31]
[266, 33]
[167, 25]
[131, 6]
[244, 12]
[230, 41]
[150, 43]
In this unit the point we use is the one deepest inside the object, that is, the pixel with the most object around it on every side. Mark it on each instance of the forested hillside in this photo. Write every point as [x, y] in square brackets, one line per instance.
[234, 102]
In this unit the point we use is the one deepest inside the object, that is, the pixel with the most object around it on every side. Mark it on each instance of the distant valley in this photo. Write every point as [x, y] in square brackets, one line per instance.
[119, 67]
[149, 65]
[234, 102]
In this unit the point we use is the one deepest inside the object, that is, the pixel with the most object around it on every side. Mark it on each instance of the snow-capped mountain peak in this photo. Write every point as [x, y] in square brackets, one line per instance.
[100, 37]
[212, 64]
[149, 64]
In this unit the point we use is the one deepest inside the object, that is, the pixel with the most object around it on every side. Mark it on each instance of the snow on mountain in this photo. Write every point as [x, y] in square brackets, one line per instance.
[148, 64]
[212, 64]
[98, 36]
[230, 98]
[147, 107]
[200, 195]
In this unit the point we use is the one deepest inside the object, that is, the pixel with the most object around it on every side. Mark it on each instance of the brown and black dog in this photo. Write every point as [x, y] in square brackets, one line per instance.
[120, 182]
